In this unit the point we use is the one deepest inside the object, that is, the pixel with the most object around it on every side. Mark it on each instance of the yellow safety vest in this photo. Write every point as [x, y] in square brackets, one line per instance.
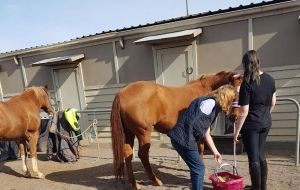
[70, 116]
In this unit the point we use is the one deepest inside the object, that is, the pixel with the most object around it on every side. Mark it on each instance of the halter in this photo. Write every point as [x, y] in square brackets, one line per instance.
[235, 105]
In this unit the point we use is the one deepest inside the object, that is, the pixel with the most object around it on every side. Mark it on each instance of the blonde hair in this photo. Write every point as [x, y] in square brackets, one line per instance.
[224, 96]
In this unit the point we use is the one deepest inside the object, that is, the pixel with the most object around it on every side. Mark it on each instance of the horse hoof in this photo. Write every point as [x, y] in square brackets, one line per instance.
[27, 174]
[136, 186]
[39, 175]
[157, 182]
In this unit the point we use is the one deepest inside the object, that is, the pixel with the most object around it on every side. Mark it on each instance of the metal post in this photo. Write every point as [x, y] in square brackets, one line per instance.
[187, 7]
[94, 124]
[298, 124]
[94, 114]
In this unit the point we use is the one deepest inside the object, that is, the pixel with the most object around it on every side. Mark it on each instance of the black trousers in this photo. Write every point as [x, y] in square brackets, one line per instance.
[254, 142]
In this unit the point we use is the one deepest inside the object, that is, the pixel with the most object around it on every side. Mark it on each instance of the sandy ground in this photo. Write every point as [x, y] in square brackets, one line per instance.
[91, 173]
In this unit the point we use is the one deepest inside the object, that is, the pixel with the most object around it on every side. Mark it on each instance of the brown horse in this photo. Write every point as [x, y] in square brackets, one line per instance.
[143, 106]
[20, 120]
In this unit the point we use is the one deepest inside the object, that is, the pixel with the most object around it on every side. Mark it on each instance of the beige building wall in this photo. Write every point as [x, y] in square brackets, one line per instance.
[277, 39]
[107, 67]
[98, 66]
[38, 76]
[10, 78]
[135, 62]
[284, 116]
[220, 47]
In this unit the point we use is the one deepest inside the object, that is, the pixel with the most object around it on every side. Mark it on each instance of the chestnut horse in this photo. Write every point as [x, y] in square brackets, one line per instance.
[20, 120]
[143, 106]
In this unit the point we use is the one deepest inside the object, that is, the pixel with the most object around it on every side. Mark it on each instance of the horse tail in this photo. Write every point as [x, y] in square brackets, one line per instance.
[117, 138]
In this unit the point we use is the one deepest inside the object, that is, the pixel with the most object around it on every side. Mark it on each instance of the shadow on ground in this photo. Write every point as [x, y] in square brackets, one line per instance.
[8, 170]
[101, 177]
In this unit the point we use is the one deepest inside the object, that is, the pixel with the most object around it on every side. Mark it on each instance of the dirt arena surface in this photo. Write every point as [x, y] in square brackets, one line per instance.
[91, 173]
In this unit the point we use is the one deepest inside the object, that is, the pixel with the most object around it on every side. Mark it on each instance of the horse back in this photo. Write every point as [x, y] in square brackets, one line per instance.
[18, 116]
[148, 104]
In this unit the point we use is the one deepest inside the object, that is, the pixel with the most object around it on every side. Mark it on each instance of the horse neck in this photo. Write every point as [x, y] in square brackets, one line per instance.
[44, 102]
[214, 83]
[197, 88]
[28, 97]
[205, 85]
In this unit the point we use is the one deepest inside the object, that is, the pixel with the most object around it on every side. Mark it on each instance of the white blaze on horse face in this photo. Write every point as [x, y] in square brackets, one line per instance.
[238, 89]
[235, 103]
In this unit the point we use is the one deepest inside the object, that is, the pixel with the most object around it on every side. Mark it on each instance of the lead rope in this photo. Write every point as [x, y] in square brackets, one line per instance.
[234, 105]
[234, 148]
[96, 134]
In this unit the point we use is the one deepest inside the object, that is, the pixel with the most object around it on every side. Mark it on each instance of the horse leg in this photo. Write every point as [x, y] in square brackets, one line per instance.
[144, 146]
[32, 148]
[128, 154]
[23, 154]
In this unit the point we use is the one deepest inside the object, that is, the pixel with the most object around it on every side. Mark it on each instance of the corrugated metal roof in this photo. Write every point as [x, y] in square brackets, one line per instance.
[209, 13]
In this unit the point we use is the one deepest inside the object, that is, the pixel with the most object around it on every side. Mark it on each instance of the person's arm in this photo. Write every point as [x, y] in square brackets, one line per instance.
[212, 146]
[240, 121]
[273, 102]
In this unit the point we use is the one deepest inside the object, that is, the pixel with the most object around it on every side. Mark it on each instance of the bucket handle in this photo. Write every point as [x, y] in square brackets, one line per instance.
[220, 168]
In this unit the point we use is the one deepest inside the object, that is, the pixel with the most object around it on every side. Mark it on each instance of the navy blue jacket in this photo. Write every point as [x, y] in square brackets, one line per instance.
[193, 124]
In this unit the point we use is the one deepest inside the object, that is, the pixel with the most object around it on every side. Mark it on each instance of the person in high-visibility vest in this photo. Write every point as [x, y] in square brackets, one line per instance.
[72, 116]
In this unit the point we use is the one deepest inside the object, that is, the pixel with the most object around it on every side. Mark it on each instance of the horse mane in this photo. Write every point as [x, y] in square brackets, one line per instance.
[202, 77]
[206, 76]
[35, 89]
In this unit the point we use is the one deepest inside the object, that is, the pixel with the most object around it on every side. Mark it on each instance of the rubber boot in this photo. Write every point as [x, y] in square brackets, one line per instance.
[264, 174]
[255, 173]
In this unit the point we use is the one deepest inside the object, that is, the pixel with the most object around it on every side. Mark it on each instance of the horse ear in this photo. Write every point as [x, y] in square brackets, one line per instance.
[236, 76]
[46, 86]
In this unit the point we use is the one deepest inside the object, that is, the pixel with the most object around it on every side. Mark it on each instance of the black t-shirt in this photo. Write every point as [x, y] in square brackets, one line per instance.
[259, 99]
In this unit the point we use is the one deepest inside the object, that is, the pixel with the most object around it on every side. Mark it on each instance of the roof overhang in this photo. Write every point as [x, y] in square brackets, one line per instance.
[184, 34]
[72, 59]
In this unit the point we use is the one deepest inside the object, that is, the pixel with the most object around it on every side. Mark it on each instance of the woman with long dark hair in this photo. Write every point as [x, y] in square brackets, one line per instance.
[257, 99]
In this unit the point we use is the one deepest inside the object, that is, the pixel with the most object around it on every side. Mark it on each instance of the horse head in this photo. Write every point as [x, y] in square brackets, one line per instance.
[44, 97]
[236, 81]
[216, 80]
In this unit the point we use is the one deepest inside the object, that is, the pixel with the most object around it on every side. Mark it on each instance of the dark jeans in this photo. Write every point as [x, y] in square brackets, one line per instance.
[192, 159]
[254, 142]
[9, 150]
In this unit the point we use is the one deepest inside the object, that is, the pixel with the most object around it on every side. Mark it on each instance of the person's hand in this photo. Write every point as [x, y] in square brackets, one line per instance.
[218, 157]
[235, 137]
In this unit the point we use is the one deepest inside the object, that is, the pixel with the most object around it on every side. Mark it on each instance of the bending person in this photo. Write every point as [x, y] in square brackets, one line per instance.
[194, 125]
